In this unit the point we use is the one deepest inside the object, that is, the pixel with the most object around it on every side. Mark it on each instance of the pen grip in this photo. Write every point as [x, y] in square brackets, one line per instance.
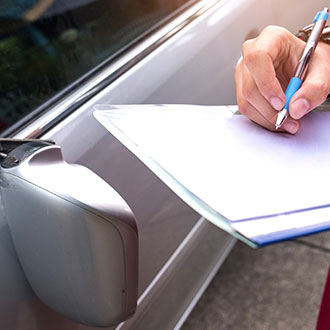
[293, 86]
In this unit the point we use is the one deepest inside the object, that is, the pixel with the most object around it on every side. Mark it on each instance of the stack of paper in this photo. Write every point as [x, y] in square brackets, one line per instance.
[257, 185]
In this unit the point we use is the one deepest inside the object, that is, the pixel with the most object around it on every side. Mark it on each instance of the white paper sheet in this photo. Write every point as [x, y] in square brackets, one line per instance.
[232, 166]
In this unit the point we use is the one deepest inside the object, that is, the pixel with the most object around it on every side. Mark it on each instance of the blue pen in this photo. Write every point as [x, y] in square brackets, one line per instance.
[295, 82]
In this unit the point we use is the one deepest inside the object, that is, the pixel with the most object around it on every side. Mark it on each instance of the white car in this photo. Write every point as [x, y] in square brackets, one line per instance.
[146, 266]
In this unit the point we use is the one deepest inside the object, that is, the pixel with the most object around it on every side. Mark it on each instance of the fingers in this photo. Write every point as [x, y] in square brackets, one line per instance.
[260, 56]
[250, 92]
[316, 85]
[262, 70]
[268, 63]
[253, 104]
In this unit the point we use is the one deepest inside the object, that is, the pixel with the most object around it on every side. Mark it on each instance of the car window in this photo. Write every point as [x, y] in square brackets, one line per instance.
[47, 45]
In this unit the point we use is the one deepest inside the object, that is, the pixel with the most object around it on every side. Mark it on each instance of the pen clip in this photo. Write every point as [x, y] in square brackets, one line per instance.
[317, 16]
[321, 15]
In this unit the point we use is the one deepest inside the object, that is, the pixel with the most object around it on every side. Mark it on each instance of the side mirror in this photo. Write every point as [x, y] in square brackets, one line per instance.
[75, 237]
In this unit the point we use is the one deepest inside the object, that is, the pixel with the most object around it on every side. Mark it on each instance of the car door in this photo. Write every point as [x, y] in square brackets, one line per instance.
[152, 52]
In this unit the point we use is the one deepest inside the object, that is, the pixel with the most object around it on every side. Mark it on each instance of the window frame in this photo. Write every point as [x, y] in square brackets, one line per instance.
[50, 113]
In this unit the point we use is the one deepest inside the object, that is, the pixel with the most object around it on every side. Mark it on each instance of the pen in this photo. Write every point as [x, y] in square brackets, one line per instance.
[295, 82]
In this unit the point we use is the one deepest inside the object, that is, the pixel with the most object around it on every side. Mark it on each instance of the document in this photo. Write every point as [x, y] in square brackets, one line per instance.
[260, 186]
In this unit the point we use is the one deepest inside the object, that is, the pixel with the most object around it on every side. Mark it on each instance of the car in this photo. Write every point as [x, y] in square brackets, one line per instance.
[147, 265]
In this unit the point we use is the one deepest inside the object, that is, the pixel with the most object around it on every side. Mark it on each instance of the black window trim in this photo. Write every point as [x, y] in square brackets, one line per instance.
[49, 114]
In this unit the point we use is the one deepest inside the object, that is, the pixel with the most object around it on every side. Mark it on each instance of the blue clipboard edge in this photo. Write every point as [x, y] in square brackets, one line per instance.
[238, 229]
[187, 196]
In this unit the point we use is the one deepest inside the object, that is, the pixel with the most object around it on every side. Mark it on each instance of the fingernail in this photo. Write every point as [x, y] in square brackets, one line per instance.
[299, 108]
[276, 103]
[290, 126]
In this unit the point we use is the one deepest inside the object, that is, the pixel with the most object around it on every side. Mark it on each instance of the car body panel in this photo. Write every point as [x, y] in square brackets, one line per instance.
[179, 252]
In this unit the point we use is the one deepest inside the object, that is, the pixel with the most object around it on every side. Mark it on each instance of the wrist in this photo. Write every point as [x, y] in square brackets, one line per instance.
[305, 32]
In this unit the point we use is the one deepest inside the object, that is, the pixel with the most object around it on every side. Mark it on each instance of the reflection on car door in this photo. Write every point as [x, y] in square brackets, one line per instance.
[188, 56]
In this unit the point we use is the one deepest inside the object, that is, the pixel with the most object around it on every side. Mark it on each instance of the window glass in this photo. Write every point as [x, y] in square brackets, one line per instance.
[45, 45]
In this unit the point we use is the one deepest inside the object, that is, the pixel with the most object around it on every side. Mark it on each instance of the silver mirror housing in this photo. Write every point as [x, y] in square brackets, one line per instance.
[75, 236]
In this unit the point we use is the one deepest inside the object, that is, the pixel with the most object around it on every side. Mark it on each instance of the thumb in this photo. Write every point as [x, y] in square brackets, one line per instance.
[310, 95]
[314, 89]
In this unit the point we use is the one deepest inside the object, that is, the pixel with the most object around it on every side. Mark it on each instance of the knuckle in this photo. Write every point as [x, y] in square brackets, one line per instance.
[322, 89]
[267, 87]
[250, 56]
[276, 31]
[243, 106]
[269, 29]
[248, 48]
[248, 91]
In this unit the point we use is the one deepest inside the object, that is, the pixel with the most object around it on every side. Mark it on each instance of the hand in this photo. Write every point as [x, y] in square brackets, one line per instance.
[268, 62]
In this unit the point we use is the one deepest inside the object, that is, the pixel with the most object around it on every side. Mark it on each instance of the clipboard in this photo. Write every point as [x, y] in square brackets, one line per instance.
[225, 167]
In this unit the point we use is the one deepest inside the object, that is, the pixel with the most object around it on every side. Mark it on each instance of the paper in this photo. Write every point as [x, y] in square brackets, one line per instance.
[258, 185]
